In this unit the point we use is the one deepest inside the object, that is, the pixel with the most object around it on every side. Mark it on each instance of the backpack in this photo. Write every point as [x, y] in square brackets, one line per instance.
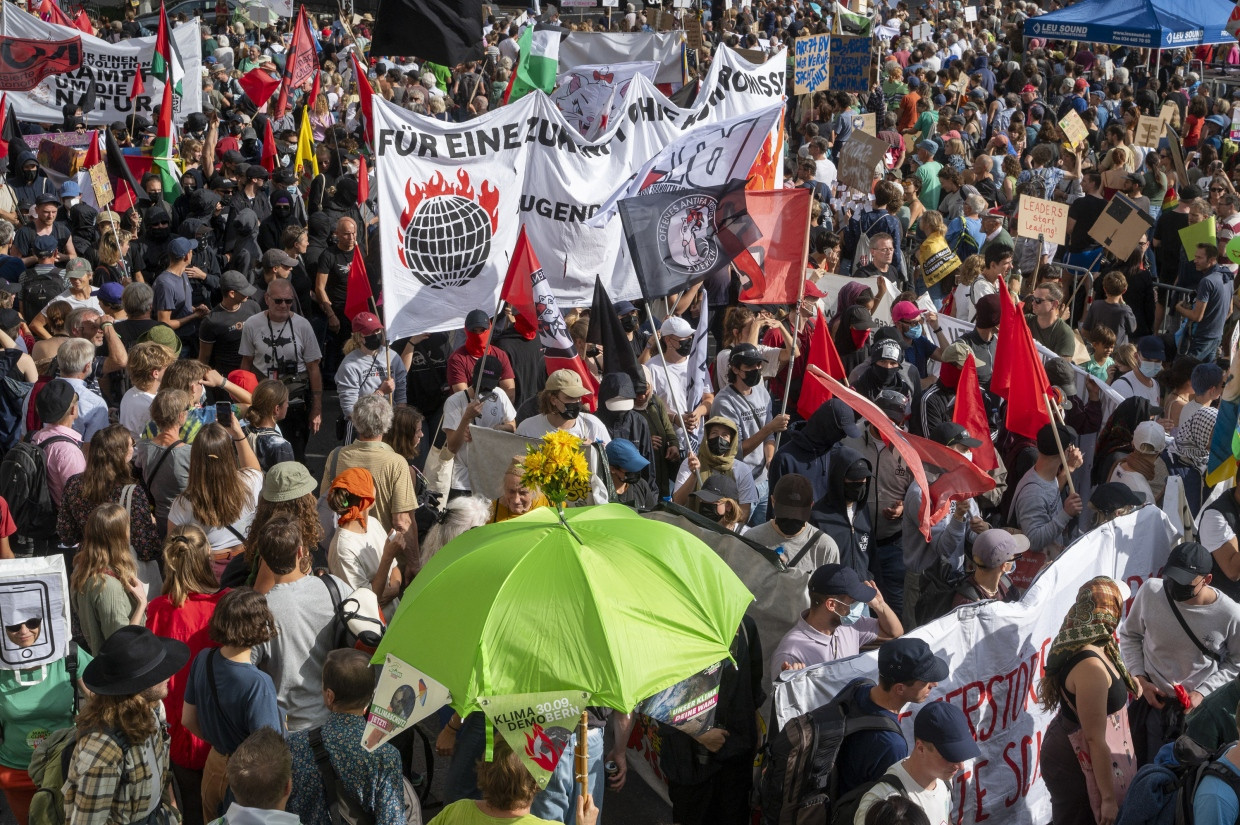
[1163, 791]
[39, 290]
[23, 484]
[799, 781]
[13, 392]
[939, 583]
[343, 806]
[351, 626]
[845, 812]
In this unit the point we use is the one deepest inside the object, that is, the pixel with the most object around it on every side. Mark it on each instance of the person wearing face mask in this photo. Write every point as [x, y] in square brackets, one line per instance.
[560, 408]
[488, 407]
[835, 625]
[798, 543]
[1140, 382]
[271, 229]
[717, 456]
[369, 367]
[1143, 469]
[919, 347]
[885, 370]
[629, 469]
[671, 374]
[27, 179]
[995, 553]
[716, 500]
[842, 513]
[664, 445]
[1179, 642]
[462, 360]
[934, 405]
[856, 323]
[617, 397]
[808, 451]
[252, 194]
[630, 322]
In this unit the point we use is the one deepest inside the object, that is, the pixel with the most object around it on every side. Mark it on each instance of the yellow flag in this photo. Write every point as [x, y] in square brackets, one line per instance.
[305, 147]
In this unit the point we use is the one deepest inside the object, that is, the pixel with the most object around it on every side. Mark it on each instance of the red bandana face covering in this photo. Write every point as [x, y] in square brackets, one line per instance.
[476, 343]
[860, 336]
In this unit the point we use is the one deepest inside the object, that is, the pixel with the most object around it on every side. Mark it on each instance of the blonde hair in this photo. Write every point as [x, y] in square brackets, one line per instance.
[970, 268]
[144, 359]
[110, 244]
[187, 564]
[104, 549]
[932, 223]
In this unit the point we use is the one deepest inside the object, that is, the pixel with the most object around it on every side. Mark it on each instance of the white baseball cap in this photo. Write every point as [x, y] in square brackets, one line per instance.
[675, 325]
[1149, 437]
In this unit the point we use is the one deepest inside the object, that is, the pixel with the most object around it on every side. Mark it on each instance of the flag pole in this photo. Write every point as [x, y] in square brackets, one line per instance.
[1059, 443]
[667, 374]
[387, 349]
[796, 333]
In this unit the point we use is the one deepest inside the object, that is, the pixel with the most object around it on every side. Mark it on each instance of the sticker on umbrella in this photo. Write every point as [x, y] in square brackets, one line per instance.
[688, 706]
[404, 696]
[537, 726]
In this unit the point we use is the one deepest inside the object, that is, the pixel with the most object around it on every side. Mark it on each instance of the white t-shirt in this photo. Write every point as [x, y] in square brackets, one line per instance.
[586, 427]
[498, 410]
[77, 303]
[355, 557]
[1129, 387]
[936, 802]
[672, 395]
[135, 412]
[825, 172]
[221, 537]
[1133, 481]
[1214, 529]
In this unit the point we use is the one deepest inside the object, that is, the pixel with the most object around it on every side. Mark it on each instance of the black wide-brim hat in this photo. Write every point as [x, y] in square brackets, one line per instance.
[133, 659]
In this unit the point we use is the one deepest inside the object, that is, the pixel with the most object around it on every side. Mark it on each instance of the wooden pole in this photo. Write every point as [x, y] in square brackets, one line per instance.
[581, 759]
[1063, 457]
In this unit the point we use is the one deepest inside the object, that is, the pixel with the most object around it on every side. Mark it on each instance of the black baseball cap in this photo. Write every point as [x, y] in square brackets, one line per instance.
[1046, 438]
[910, 660]
[477, 319]
[718, 486]
[1186, 562]
[945, 726]
[54, 400]
[949, 434]
[838, 580]
[793, 497]
[491, 371]
[746, 353]
[1113, 495]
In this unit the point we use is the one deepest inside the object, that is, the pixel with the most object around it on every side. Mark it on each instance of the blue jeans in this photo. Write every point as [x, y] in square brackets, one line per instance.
[471, 744]
[758, 514]
[1204, 349]
[558, 801]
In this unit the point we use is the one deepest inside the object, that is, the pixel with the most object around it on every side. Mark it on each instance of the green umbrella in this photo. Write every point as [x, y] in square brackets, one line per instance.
[621, 607]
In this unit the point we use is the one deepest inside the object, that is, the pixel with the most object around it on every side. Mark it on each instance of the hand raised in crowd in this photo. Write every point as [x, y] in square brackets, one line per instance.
[1075, 459]
[695, 463]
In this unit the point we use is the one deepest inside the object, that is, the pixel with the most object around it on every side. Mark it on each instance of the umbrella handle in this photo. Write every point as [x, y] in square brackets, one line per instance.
[582, 756]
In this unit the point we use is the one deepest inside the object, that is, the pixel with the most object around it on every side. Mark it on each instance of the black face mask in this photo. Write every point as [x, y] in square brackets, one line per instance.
[707, 510]
[373, 341]
[282, 211]
[718, 445]
[159, 234]
[1179, 592]
[884, 374]
[632, 478]
[752, 378]
[685, 347]
[572, 409]
[628, 323]
[789, 526]
[30, 174]
[854, 491]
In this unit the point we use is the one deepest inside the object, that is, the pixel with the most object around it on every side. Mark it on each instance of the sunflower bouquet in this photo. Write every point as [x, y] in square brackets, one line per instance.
[558, 467]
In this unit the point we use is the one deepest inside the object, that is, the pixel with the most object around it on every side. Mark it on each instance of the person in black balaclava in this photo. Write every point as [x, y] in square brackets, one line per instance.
[343, 202]
[157, 233]
[241, 243]
[195, 126]
[615, 409]
[206, 259]
[271, 229]
[85, 233]
[28, 181]
[837, 513]
[884, 371]
[320, 228]
[806, 452]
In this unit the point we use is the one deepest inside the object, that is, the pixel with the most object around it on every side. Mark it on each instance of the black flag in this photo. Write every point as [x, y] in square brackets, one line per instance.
[447, 32]
[605, 330]
[89, 98]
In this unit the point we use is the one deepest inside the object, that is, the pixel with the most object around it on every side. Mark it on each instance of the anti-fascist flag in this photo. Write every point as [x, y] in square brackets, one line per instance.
[679, 237]
[441, 31]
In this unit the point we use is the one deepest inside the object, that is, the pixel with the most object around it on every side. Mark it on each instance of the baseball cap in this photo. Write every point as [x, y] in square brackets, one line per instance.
[256, 172]
[617, 388]
[162, 334]
[1149, 437]
[862, 319]
[839, 580]
[288, 481]
[928, 146]
[1029, 88]
[233, 156]
[624, 454]
[945, 726]
[477, 319]
[180, 247]
[244, 379]
[1206, 376]
[366, 323]
[995, 547]
[888, 350]
[718, 486]
[1081, 84]
[9, 318]
[949, 434]
[285, 176]
[487, 372]
[675, 325]
[996, 213]
[277, 257]
[793, 497]
[1059, 372]
[1046, 439]
[10, 287]
[110, 293]
[845, 419]
[77, 268]
[108, 216]
[989, 311]
[1151, 348]
[54, 400]
[46, 198]
[905, 311]
[910, 660]
[957, 353]
[234, 281]
[44, 243]
[624, 308]
[567, 382]
[894, 404]
[1187, 561]
[746, 353]
[1113, 495]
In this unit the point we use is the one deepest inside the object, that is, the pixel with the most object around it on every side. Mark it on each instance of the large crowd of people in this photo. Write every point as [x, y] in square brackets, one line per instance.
[166, 369]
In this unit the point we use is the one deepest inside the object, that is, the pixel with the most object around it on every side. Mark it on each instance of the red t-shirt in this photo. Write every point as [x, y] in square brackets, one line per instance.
[7, 525]
[461, 366]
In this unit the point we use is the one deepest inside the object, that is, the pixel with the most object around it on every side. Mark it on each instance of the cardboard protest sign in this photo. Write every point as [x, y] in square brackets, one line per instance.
[537, 726]
[101, 184]
[1169, 113]
[1177, 152]
[1120, 227]
[1039, 218]
[1149, 130]
[858, 158]
[850, 63]
[693, 32]
[1074, 128]
[868, 123]
[403, 697]
[811, 63]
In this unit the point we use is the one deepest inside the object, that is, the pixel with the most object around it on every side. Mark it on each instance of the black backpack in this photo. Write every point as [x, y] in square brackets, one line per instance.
[799, 780]
[14, 389]
[1166, 791]
[845, 812]
[38, 290]
[343, 806]
[23, 484]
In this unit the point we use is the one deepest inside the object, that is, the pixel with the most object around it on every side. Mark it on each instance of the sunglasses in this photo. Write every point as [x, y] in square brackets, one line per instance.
[1212, 189]
[1037, 301]
[29, 624]
[282, 300]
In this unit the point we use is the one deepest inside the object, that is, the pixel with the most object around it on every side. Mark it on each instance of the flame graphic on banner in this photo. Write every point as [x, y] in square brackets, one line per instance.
[540, 749]
[438, 186]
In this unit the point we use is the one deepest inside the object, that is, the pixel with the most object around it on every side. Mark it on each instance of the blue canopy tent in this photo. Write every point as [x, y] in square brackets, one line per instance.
[1147, 24]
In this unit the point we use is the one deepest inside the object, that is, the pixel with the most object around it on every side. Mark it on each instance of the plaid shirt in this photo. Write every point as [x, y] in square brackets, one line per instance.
[111, 786]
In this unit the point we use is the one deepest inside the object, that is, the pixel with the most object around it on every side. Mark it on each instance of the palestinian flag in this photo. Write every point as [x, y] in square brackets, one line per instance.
[166, 64]
[161, 149]
[537, 64]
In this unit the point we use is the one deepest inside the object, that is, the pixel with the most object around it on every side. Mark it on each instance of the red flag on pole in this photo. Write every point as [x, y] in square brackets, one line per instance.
[1018, 374]
[82, 23]
[357, 298]
[259, 85]
[301, 61]
[970, 413]
[138, 86]
[823, 355]
[49, 12]
[518, 291]
[268, 158]
[363, 182]
[960, 477]
[365, 98]
[775, 264]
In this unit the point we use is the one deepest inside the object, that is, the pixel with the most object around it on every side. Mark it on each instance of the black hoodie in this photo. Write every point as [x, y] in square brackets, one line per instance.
[830, 513]
[807, 451]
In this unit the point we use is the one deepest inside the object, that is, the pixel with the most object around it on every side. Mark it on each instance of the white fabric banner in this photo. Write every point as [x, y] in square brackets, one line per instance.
[995, 652]
[591, 97]
[113, 66]
[664, 48]
[452, 197]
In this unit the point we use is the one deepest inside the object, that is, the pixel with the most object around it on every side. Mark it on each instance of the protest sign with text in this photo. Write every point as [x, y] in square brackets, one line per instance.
[850, 63]
[1041, 219]
[811, 63]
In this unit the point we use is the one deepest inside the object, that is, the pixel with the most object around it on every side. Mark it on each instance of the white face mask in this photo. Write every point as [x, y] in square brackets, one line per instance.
[968, 454]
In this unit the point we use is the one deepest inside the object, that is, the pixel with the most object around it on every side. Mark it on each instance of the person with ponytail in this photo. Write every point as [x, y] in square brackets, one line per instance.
[359, 552]
[1087, 684]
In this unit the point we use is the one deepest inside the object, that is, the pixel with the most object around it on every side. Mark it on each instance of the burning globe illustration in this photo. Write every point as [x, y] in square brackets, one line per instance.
[446, 229]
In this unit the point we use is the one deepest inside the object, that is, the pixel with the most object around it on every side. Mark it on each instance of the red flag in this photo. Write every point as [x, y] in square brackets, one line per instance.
[94, 149]
[518, 291]
[301, 61]
[823, 355]
[138, 86]
[268, 159]
[259, 85]
[49, 12]
[1018, 374]
[960, 477]
[366, 97]
[359, 295]
[775, 264]
[970, 413]
[363, 182]
[82, 22]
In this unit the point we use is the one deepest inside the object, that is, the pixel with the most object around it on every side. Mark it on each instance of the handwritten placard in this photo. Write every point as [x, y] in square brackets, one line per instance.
[859, 156]
[970, 14]
[867, 123]
[1149, 130]
[1039, 218]
[811, 63]
[1074, 129]
[101, 184]
[850, 63]
[1169, 113]
[693, 32]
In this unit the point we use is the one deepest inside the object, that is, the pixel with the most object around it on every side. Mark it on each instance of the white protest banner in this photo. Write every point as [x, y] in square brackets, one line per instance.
[403, 697]
[1042, 219]
[995, 652]
[112, 67]
[592, 96]
[811, 63]
[664, 48]
[970, 14]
